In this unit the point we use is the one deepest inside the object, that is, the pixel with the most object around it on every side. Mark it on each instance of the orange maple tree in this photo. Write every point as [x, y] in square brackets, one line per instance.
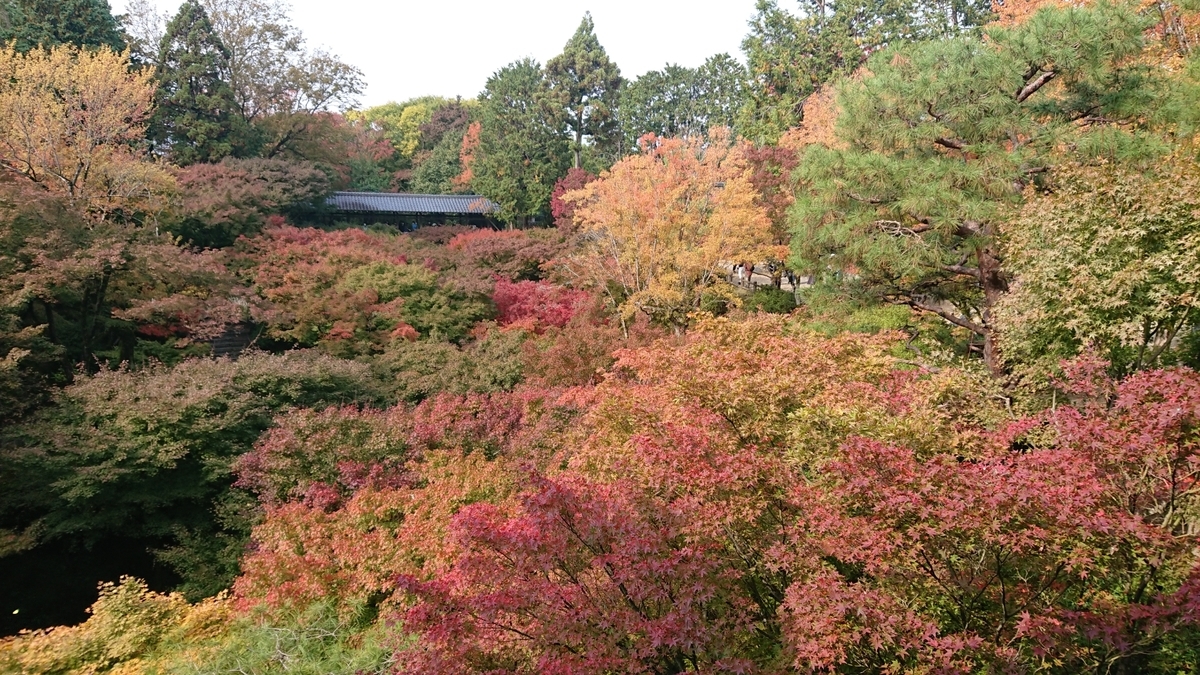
[658, 226]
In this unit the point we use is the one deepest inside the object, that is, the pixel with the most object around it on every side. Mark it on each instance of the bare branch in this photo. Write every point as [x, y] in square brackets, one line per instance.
[1031, 87]
[896, 228]
[947, 315]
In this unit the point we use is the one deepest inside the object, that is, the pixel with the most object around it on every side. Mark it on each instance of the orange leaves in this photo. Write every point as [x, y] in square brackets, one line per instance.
[372, 493]
[466, 154]
[819, 124]
[657, 226]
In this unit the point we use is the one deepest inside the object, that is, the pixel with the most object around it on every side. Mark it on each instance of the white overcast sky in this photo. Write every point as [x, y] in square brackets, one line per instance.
[410, 48]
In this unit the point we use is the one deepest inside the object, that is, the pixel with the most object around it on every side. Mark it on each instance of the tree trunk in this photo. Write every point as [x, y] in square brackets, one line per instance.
[995, 284]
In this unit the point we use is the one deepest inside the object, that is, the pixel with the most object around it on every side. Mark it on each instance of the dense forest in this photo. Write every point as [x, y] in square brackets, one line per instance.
[871, 351]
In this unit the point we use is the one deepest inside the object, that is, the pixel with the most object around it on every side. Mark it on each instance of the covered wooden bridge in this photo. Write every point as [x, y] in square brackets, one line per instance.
[409, 211]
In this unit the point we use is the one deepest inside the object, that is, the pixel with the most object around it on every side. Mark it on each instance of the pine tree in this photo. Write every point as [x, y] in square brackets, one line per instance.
[521, 152]
[195, 120]
[942, 139]
[587, 85]
[47, 23]
[790, 56]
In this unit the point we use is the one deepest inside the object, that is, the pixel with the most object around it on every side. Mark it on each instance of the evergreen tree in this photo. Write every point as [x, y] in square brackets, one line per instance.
[194, 120]
[84, 23]
[586, 85]
[521, 149]
[678, 101]
[436, 174]
[942, 139]
[790, 55]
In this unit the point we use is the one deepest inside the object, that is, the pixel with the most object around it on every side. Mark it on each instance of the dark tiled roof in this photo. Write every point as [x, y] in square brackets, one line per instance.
[401, 202]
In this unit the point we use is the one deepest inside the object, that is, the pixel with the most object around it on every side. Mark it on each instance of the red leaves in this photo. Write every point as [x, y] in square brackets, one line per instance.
[355, 498]
[536, 305]
[510, 254]
[585, 577]
[749, 499]
[562, 211]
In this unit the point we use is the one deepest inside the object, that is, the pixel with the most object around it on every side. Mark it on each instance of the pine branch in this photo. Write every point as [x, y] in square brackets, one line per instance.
[947, 315]
[895, 227]
[961, 269]
[1031, 87]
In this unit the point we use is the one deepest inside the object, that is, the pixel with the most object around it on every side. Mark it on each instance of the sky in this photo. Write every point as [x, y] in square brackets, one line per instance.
[409, 48]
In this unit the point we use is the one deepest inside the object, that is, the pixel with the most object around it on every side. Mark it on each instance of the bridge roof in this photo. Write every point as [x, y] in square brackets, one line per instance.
[404, 202]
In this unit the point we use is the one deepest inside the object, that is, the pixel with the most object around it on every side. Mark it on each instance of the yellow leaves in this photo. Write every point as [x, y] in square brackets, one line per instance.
[657, 226]
[127, 624]
[1110, 258]
[73, 121]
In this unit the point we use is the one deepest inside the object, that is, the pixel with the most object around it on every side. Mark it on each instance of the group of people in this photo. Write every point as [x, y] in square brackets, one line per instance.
[743, 273]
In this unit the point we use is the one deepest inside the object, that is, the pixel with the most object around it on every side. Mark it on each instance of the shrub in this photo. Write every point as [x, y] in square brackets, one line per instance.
[220, 202]
[148, 453]
[771, 300]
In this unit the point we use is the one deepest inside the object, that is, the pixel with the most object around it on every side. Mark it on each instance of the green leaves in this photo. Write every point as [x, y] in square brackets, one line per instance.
[1107, 260]
[678, 101]
[195, 117]
[521, 150]
[586, 85]
[940, 138]
[790, 56]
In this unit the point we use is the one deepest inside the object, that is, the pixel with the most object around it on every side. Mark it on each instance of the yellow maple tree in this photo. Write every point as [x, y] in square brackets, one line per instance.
[658, 227]
[74, 121]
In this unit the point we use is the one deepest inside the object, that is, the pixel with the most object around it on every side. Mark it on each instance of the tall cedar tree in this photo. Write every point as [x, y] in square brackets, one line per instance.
[790, 56]
[83, 23]
[943, 136]
[521, 151]
[679, 101]
[194, 120]
[587, 85]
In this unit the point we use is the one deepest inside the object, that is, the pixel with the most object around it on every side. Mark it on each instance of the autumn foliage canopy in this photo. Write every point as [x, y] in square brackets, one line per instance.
[566, 438]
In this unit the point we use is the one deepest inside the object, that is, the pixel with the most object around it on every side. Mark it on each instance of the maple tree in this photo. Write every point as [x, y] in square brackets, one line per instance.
[564, 211]
[725, 518]
[516, 255]
[93, 290]
[582, 351]
[71, 120]
[658, 225]
[217, 203]
[349, 291]
[394, 478]
[771, 176]
[1079, 283]
[565, 450]
[536, 305]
